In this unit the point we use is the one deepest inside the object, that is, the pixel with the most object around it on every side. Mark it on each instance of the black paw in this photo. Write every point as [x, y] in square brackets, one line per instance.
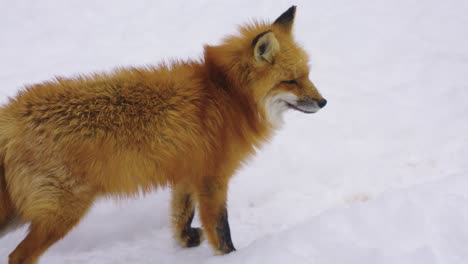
[192, 237]
[225, 250]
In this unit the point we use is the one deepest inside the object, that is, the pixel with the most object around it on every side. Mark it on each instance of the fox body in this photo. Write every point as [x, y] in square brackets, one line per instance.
[188, 126]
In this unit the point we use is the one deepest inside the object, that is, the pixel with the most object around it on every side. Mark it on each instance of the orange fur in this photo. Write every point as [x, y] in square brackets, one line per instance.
[189, 126]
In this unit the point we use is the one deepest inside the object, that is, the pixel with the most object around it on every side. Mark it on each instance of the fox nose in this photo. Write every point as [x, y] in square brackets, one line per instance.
[322, 103]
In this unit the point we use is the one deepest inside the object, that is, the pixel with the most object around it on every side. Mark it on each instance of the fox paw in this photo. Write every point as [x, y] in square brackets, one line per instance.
[192, 237]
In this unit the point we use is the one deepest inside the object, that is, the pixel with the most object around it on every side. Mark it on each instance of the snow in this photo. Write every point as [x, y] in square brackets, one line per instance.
[378, 176]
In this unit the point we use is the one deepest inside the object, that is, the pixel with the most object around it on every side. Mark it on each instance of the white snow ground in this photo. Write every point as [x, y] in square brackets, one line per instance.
[378, 176]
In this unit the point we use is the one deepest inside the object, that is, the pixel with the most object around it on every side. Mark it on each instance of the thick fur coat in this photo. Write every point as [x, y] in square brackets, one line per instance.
[188, 125]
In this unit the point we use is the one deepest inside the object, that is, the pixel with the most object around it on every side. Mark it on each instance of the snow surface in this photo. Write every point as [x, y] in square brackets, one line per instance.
[378, 176]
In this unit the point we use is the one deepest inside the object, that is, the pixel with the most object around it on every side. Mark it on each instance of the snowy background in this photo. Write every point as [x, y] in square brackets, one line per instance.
[380, 175]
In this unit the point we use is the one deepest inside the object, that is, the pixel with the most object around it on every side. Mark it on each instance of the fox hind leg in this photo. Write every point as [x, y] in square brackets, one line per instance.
[50, 226]
[7, 212]
[183, 211]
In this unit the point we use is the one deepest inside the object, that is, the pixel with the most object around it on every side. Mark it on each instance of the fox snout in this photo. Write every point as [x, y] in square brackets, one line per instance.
[308, 105]
[309, 99]
[300, 95]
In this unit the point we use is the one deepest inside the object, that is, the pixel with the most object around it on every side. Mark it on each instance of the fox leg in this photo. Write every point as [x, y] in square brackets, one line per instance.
[183, 210]
[51, 224]
[8, 218]
[6, 212]
[6, 208]
[214, 217]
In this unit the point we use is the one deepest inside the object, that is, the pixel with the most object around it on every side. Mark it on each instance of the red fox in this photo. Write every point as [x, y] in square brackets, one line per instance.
[188, 126]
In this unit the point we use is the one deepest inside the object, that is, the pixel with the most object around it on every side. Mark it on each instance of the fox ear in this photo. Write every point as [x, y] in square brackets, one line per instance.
[286, 20]
[266, 46]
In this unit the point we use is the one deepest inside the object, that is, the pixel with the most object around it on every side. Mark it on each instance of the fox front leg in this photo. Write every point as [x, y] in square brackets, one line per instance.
[214, 216]
[183, 210]
[224, 233]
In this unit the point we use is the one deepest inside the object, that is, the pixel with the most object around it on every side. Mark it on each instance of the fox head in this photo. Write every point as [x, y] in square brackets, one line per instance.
[266, 65]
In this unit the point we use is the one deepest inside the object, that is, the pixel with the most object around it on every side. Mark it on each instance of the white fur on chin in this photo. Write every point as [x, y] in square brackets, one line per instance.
[276, 105]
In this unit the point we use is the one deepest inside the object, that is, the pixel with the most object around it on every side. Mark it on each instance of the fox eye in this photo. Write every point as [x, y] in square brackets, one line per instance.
[290, 81]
